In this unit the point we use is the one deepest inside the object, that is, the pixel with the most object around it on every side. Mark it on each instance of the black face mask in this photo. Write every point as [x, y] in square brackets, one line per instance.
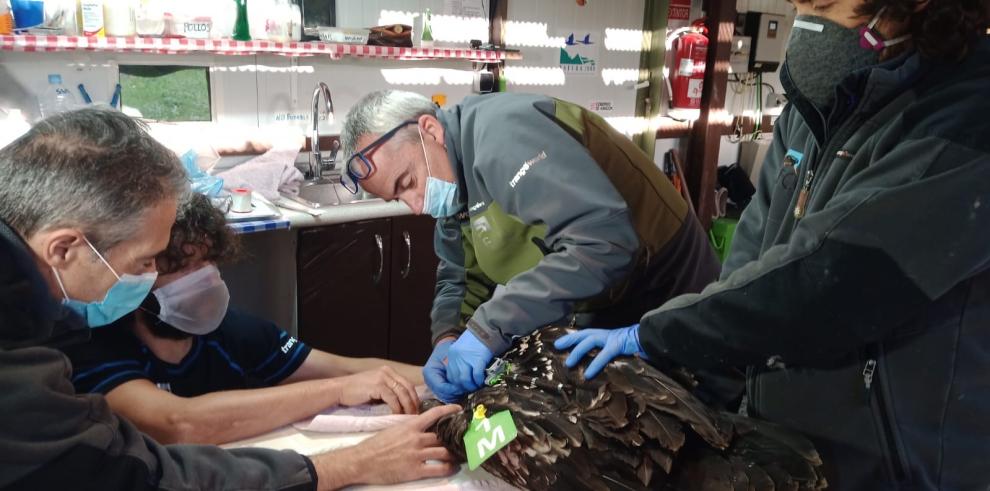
[821, 53]
[149, 313]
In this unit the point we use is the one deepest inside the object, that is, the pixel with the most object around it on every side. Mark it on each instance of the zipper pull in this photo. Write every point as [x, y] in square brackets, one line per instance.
[868, 371]
[802, 201]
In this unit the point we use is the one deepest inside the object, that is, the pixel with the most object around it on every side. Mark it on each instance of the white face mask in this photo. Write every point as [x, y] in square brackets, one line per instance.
[195, 303]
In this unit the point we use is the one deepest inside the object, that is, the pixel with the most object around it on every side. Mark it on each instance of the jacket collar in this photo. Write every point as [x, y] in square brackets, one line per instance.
[451, 121]
[868, 89]
[29, 316]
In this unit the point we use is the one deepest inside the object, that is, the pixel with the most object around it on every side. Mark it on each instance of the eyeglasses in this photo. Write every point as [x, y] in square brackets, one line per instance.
[359, 166]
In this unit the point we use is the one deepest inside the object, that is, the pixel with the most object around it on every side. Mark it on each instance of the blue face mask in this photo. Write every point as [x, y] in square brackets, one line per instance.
[440, 200]
[123, 297]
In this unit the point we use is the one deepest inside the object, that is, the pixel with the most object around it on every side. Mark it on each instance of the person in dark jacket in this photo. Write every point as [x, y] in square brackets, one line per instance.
[857, 289]
[87, 200]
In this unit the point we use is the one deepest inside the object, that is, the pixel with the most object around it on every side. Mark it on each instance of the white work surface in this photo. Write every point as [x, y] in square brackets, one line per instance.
[312, 443]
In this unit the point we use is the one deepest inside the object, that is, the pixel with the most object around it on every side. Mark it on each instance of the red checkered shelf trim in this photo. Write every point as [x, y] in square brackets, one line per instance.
[32, 44]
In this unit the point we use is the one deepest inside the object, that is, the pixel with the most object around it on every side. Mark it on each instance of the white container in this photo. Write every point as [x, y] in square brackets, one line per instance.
[224, 16]
[258, 18]
[56, 97]
[91, 18]
[188, 19]
[277, 21]
[118, 18]
[344, 35]
[149, 18]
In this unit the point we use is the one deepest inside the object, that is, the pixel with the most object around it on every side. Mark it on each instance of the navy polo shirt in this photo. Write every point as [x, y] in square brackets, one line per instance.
[245, 352]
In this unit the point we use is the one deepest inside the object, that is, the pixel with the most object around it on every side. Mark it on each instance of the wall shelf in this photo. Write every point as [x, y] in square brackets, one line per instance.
[42, 44]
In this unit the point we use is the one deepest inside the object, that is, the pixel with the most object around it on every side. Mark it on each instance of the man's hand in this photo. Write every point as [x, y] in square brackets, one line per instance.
[382, 384]
[466, 362]
[404, 452]
[435, 373]
[612, 342]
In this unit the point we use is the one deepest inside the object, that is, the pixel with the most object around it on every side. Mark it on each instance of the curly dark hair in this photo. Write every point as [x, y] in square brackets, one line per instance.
[200, 232]
[943, 29]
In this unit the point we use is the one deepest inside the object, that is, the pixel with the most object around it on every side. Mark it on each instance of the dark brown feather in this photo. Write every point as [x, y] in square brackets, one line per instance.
[633, 427]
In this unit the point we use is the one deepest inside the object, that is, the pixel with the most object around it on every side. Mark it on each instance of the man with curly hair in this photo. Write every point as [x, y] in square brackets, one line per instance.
[185, 368]
[857, 290]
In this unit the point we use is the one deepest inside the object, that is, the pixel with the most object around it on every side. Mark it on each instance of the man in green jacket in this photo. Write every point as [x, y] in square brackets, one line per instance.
[546, 214]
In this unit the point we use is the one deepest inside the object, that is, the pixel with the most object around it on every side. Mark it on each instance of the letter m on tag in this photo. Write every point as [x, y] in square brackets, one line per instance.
[487, 436]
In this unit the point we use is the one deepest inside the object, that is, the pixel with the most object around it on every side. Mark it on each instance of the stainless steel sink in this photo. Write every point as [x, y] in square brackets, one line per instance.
[328, 191]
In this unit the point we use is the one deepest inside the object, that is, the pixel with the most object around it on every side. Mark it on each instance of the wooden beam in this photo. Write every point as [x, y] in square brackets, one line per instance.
[497, 14]
[651, 60]
[707, 131]
[672, 128]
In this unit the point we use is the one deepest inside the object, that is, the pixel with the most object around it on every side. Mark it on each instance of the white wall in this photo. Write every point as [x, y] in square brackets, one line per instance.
[741, 100]
[264, 90]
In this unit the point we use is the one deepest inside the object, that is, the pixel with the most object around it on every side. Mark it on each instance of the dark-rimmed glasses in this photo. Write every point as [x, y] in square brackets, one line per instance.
[359, 166]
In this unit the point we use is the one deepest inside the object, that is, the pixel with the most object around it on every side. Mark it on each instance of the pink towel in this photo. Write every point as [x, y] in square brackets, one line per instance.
[268, 174]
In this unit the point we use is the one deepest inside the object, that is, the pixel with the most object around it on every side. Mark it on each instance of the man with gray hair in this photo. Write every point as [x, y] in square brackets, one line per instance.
[87, 200]
[546, 214]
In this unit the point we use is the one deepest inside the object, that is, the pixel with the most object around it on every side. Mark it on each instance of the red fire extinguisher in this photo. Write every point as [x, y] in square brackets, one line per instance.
[687, 74]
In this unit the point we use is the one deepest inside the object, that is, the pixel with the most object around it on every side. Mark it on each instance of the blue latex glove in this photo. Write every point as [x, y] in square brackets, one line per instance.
[466, 362]
[435, 373]
[612, 342]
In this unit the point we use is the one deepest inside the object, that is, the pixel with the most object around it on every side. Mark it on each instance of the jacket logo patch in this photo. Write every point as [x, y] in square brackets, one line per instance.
[477, 206]
[481, 229]
[525, 168]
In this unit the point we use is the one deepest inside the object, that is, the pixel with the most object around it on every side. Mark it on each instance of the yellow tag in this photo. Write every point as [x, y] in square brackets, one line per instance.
[480, 412]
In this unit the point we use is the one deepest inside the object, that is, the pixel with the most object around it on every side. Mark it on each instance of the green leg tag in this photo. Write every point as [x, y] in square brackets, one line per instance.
[486, 436]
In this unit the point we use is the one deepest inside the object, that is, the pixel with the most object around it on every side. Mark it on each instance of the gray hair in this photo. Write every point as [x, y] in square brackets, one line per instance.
[95, 169]
[379, 112]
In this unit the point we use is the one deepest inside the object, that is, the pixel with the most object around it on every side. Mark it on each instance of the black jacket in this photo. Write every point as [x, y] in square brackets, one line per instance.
[51, 438]
[865, 322]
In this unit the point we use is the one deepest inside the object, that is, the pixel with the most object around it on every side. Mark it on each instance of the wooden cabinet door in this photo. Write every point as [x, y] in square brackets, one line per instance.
[414, 275]
[343, 287]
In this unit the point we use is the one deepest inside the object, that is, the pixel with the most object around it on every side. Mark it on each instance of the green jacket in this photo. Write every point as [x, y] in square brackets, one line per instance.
[563, 220]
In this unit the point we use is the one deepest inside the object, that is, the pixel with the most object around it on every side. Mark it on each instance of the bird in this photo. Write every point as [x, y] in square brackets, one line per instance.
[632, 427]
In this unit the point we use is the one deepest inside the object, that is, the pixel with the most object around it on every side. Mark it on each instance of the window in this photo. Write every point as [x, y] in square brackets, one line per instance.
[167, 93]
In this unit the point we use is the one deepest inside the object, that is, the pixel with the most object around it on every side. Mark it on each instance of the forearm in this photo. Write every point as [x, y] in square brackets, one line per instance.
[803, 312]
[340, 468]
[226, 416]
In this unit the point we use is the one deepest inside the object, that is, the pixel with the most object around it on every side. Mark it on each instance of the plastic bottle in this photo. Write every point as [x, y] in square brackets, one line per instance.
[118, 18]
[56, 98]
[61, 15]
[149, 18]
[6, 19]
[28, 13]
[427, 39]
[242, 30]
[91, 18]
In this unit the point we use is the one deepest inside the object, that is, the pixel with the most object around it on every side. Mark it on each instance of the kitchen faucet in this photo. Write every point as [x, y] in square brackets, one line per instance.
[316, 160]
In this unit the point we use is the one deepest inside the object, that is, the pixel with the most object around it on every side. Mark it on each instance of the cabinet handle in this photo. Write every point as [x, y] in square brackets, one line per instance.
[381, 258]
[408, 241]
